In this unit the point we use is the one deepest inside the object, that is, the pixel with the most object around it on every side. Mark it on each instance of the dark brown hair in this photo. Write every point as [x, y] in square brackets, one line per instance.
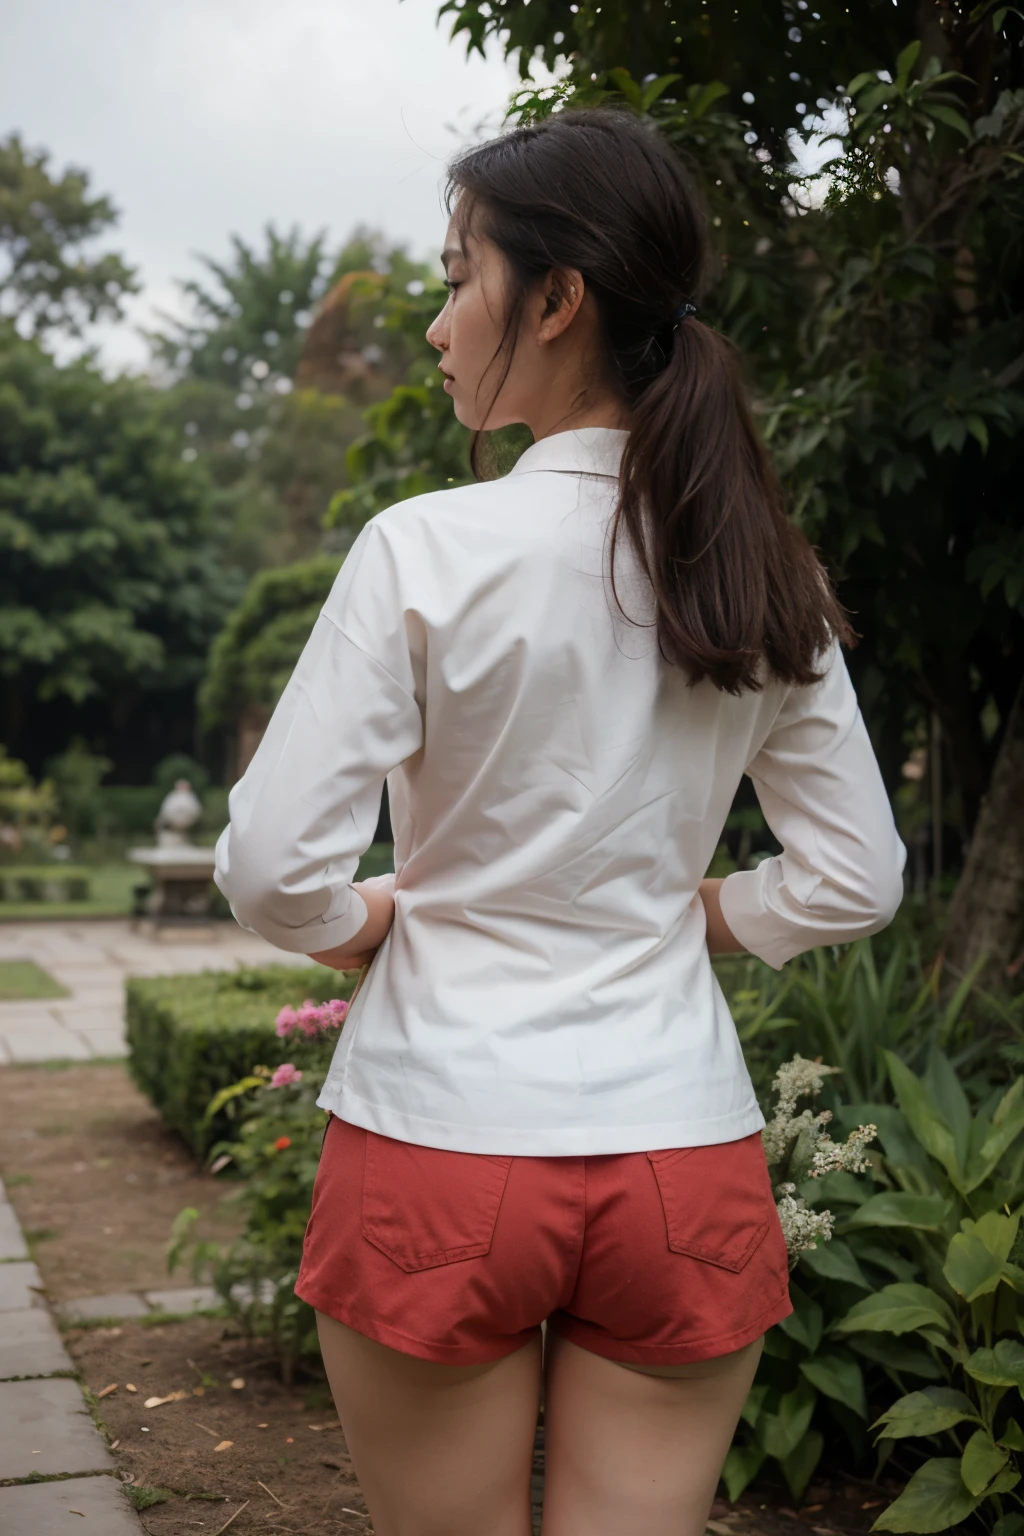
[734, 581]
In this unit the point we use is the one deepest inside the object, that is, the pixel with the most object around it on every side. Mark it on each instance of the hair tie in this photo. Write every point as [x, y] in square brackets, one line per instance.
[682, 312]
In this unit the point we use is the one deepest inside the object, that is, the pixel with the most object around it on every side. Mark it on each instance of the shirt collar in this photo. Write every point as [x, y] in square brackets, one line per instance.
[580, 451]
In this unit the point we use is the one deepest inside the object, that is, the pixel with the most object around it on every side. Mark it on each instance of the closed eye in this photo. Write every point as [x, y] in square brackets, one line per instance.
[451, 285]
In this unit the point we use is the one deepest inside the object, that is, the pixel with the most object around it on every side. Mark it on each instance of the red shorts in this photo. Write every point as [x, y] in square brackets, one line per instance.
[654, 1258]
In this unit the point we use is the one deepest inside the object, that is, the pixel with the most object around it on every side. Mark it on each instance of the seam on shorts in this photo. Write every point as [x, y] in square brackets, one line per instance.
[406, 1343]
[709, 1346]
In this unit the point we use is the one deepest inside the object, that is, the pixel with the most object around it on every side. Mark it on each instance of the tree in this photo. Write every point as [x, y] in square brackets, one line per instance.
[271, 374]
[255, 653]
[111, 585]
[880, 310]
[48, 280]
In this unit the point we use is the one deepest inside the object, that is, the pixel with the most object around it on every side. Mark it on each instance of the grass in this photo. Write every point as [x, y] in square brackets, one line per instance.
[23, 979]
[112, 883]
[110, 895]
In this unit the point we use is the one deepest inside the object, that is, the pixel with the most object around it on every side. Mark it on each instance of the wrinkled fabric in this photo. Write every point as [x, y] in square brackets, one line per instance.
[656, 1259]
[557, 793]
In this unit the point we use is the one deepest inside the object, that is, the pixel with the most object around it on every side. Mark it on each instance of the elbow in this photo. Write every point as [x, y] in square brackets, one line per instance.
[874, 894]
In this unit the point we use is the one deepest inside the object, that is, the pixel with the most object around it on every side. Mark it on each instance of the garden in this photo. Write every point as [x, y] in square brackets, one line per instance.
[167, 542]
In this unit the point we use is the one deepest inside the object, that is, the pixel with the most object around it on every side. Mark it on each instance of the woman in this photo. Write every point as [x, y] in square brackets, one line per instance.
[539, 1107]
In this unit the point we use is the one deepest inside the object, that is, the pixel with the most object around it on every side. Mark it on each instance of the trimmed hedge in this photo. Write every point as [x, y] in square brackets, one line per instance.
[191, 1036]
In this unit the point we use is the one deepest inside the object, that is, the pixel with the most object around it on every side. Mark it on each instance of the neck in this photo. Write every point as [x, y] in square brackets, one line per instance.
[607, 412]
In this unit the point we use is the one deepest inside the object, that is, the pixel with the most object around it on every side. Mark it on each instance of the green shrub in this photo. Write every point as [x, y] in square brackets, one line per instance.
[276, 1147]
[192, 1036]
[910, 1317]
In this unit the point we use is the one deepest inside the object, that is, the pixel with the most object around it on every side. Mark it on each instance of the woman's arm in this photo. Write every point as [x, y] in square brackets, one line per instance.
[306, 810]
[720, 938]
[379, 900]
[839, 875]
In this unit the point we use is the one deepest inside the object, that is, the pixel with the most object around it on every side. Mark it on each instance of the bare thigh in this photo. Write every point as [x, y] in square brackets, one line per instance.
[439, 1450]
[637, 1449]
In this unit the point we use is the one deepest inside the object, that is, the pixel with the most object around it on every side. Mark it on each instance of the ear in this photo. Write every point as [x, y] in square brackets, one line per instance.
[563, 290]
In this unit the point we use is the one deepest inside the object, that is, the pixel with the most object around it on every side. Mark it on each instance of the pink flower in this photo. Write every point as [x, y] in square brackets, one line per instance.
[286, 1073]
[311, 1019]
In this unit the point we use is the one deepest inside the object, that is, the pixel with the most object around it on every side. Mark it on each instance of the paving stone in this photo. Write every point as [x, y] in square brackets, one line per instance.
[52, 1509]
[114, 1304]
[47, 1429]
[192, 1298]
[19, 1287]
[12, 1242]
[30, 1346]
[75, 1015]
[105, 1042]
[54, 1044]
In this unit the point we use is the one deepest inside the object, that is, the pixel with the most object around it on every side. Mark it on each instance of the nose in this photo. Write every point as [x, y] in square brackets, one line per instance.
[438, 331]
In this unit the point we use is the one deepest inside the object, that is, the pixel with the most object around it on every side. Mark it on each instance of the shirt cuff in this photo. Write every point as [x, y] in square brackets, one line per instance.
[761, 931]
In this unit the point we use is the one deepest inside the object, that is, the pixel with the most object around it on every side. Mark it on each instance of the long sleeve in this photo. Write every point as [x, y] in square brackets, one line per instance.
[839, 875]
[306, 809]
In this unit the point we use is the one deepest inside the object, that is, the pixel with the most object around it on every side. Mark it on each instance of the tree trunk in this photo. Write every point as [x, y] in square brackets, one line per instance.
[987, 914]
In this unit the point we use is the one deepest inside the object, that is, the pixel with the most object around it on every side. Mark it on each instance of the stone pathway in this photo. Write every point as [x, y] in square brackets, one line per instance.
[56, 1473]
[56, 1467]
[92, 960]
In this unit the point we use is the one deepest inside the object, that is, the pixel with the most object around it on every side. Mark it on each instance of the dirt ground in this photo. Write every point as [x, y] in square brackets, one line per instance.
[96, 1179]
[96, 1182]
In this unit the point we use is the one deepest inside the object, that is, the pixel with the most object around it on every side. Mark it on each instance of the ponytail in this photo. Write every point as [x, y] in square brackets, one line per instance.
[734, 581]
[739, 591]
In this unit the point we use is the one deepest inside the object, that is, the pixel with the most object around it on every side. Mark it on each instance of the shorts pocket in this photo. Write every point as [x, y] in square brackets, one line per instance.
[424, 1206]
[717, 1200]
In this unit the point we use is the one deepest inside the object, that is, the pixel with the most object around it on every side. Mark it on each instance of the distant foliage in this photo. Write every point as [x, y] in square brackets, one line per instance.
[51, 277]
[256, 651]
[109, 570]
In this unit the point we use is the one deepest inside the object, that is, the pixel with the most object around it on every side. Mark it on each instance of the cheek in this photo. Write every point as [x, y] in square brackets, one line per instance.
[473, 330]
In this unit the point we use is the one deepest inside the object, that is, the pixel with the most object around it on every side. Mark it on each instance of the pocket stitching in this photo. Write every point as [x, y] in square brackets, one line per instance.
[434, 1258]
[691, 1249]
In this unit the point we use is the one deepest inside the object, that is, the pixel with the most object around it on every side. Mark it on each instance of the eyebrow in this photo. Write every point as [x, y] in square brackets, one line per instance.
[448, 252]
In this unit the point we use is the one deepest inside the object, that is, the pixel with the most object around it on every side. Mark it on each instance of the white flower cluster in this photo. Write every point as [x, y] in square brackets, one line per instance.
[796, 1079]
[831, 1155]
[802, 1228]
[800, 1141]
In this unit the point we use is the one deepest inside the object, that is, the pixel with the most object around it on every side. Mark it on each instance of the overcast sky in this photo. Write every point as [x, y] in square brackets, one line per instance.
[205, 117]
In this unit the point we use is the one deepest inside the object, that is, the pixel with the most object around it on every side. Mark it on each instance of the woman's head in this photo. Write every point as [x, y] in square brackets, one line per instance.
[570, 246]
[572, 243]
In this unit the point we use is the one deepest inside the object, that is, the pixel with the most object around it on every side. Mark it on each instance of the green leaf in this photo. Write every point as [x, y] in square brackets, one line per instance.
[976, 1258]
[893, 1208]
[926, 1413]
[1008, 1525]
[656, 89]
[982, 1461]
[978, 430]
[933, 1500]
[233, 1091]
[897, 1308]
[835, 1261]
[798, 1467]
[742, 1463]
[1012, 1436]
[805, 1323]
[922, 1113]
[907, 58]
[705, 96]
[868, 77]
[839, 1377]
[1002, 1366]
[949, 116]
[780, 1433]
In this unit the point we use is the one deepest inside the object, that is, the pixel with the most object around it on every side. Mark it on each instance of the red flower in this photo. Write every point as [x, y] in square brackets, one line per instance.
[281, 1143]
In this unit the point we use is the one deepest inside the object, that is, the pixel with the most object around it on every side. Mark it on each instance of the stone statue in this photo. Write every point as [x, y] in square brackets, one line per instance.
[178, 814]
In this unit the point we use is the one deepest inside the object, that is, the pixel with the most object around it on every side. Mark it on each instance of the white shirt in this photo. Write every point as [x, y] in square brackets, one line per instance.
[557, 793]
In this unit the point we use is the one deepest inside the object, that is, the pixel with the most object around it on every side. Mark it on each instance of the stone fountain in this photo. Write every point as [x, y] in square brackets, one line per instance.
[181, 872]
